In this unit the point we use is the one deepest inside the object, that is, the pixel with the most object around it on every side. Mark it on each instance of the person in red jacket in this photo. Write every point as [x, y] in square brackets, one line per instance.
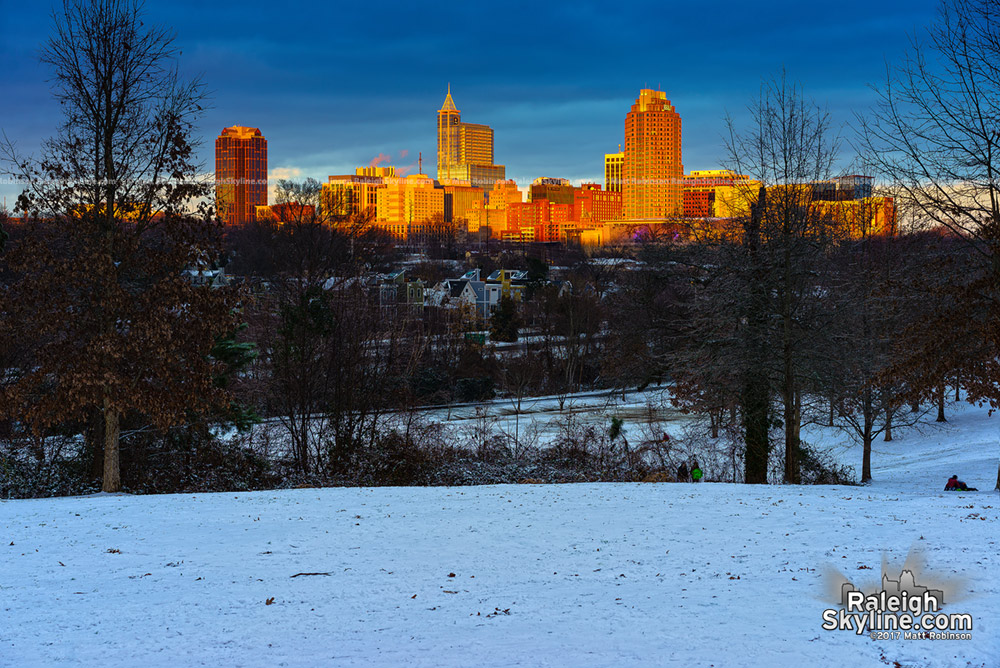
[956, 485]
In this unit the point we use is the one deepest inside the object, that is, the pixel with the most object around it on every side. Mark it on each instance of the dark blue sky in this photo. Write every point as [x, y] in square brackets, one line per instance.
[334, 84]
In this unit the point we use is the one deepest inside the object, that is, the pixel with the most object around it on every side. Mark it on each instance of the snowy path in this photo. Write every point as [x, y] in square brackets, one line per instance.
[565, 575]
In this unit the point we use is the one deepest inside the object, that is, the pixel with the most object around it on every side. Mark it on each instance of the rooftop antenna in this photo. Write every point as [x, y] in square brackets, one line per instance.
[420, 154]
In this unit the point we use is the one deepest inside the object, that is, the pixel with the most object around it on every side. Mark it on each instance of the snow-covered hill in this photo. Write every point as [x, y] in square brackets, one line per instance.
[528, 575]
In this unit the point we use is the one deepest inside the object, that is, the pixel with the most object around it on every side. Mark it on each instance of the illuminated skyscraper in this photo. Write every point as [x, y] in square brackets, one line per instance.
[465, 150]
[653, 176]
[240, 174]
[613, 163]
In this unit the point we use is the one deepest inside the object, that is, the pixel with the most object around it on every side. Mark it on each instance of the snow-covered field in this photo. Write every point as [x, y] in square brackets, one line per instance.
[529, 575]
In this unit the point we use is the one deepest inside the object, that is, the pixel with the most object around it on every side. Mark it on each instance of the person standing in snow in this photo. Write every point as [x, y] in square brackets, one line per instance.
[682, 472]
[696, 472]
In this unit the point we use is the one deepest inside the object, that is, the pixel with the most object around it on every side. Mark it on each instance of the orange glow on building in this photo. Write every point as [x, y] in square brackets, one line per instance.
[593, 206]
[716, 199]
[544, 218]
[492, 214]
[354, 194]
[465, 150]
[614, 164]
[860, 218]
[559, 191]
[652, 184]
[240, 174]
[289, 212]
[407, 205]
[712, 193]
[460, 197]
[558, 211]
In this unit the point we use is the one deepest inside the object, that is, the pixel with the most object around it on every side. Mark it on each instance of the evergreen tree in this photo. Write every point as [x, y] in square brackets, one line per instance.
[505, 323]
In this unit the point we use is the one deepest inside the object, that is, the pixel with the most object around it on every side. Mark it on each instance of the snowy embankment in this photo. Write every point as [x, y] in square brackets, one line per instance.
[531, 575]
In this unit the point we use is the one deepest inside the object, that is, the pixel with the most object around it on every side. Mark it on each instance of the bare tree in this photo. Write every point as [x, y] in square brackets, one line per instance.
[872, 306]
[934, 133]
[119, 327]
[787, 148]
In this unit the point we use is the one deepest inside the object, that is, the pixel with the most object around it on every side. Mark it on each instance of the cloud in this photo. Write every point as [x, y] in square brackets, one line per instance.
[379, 159]
[405, 169]
[277, 174]
[284, 173]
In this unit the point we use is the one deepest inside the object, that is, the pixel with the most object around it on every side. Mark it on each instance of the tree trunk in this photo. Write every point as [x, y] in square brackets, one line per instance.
[798, 428]
[95, 442]
[958, 384]
[714, 418]
[112, 473]
[940, 403]
[998, 477]
[888, 425]
[788, 391]
[868, 415]
[866, 463]
[831, 413]
[756, 392]
[792, 471]
[755, 421]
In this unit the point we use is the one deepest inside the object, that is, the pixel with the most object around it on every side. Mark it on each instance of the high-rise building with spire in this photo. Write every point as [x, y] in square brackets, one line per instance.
[465, 150]
[653, 176]
[240, 174]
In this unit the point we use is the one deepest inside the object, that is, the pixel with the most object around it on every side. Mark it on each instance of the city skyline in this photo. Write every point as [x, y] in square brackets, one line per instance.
[329, 104]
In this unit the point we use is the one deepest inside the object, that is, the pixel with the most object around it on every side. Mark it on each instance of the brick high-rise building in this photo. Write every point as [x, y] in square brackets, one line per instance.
[653, 176]
[240, 174]
[465, 150]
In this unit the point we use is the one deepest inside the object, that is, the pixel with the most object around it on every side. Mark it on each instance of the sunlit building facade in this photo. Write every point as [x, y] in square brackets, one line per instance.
[493, 213]
[652, 183]
[407, 205]
[593, 206]
[614, 163]
[716, 193]
[465, 150]
[240, 174]
[459, 198]
[559, 191]
[354, 194]
[289, 212]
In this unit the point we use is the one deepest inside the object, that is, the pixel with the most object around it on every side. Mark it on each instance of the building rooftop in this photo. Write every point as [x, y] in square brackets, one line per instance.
[449, 104]
[241, 132]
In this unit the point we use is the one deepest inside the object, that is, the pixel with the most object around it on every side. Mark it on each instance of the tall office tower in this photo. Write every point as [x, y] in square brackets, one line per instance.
[465, 150]
[613, 163]
[653, 183]
[240, 174]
